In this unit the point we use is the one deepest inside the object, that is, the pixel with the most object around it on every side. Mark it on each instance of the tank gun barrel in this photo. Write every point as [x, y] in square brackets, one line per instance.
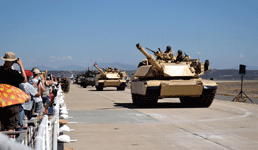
[100, 70]
[151, 58]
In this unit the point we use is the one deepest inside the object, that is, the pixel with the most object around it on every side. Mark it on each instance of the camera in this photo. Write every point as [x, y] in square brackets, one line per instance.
[16, 60]
[49, 77]
[38, 82]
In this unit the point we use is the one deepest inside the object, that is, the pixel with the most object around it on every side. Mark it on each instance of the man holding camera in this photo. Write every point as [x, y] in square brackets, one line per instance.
[10, 114]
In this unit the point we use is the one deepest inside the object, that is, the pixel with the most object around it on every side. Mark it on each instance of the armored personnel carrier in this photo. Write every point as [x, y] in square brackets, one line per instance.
[110, 78]
[88, 78]
[166, 77]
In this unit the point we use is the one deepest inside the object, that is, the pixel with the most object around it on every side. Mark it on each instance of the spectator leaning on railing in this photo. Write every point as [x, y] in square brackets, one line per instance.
[37, 100]
[48, 88]
[26, 108]
[10, 114]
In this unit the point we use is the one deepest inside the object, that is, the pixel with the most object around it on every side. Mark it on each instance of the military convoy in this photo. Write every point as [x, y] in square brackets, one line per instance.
[110, 78]
[168, 76]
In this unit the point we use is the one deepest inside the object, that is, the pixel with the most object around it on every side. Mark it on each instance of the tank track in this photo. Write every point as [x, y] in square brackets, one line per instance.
[205, 100]
[144, 100]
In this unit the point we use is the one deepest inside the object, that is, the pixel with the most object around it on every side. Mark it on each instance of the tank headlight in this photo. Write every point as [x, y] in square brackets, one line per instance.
[210, 87]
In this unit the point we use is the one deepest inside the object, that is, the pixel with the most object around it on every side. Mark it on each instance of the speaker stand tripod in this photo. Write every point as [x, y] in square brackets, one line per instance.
[240, 95]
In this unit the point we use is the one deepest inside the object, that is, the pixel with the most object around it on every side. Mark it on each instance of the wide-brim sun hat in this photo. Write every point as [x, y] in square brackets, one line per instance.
[9, 56]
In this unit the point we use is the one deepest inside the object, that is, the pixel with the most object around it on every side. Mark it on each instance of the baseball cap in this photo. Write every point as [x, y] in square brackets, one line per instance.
[36, 71]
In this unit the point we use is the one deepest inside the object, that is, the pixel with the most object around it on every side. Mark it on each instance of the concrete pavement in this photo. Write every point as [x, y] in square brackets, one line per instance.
[108, 120]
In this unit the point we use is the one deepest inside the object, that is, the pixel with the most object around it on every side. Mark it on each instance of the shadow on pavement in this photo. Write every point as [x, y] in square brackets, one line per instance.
[103, 90]
[156, 106]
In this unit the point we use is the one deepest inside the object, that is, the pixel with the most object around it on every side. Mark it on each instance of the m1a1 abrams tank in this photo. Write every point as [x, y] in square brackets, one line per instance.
[88, 78]
[110, 78]
[165, 78]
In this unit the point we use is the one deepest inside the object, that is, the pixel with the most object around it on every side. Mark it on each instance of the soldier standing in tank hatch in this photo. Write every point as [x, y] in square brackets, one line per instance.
[168, 51]
[179, 56]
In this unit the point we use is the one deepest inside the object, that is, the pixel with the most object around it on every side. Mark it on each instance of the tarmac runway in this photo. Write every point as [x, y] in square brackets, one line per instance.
[107, 120]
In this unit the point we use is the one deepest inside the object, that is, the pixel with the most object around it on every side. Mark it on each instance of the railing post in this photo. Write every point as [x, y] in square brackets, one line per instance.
[40, 139]
[47, 136]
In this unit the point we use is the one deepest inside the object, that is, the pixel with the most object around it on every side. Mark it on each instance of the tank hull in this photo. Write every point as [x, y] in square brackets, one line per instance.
[152, 90]
[88, 81]
[120, 84]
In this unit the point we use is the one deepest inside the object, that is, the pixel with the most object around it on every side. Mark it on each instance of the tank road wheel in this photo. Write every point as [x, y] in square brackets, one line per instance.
[135, 98]
[138, 100]
[84, 85]
[99, 88]
[151, 99]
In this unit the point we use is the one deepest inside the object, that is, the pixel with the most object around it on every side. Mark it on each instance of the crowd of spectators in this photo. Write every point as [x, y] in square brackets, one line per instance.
[40, 86]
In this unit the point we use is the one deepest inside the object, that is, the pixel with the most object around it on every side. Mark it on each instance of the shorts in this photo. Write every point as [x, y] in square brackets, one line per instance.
[46, 101]
[9, 117]
[39, 108]
[28, 113]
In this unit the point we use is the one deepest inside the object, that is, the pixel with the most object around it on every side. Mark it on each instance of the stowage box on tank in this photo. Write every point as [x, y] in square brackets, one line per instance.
[168, 76]
[110, 78]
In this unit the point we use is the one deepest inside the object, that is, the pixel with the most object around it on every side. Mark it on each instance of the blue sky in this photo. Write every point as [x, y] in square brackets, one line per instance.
[80, 32]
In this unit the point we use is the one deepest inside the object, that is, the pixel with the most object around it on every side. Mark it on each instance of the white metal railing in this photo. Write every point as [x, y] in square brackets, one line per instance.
[46, 133]
[42, 136]
[49, 129]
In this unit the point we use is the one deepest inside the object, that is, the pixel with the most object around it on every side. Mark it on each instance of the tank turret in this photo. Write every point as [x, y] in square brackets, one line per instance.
[166, 66]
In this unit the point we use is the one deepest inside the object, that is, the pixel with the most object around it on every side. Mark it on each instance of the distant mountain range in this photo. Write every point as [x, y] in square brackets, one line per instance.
[118, 66]
[81, 68]
[63, 68]
[230, 74]
[247, 67]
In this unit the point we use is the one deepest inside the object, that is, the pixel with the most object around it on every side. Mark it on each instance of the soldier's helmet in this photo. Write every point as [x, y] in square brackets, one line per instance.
[179, 52]
[168, 49]
[110, 69]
